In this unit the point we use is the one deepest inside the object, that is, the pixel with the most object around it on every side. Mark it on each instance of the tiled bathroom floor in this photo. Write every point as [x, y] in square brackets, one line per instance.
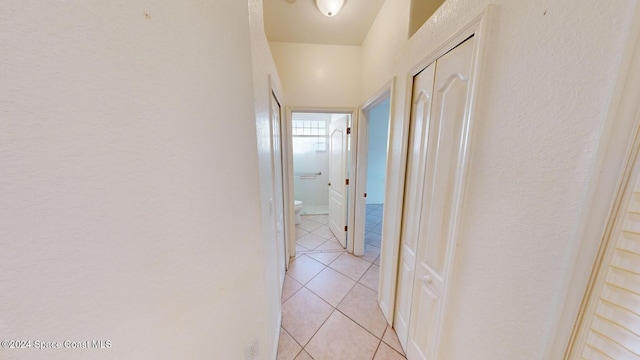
[373, 224]
[329, 302]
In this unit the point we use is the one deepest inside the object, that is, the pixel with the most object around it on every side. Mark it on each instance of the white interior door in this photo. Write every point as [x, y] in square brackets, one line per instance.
[436, 241]
[278, 189]
[337, 178]
[418, 134]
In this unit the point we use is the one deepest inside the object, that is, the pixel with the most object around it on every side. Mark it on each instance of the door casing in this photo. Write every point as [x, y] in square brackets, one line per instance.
[277, 208]
[361, 159]
[289, 168]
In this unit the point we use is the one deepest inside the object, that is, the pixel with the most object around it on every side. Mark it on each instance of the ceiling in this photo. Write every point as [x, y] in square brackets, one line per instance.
[300, 21]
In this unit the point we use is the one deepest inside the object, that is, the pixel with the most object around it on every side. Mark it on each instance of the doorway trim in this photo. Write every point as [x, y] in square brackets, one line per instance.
[390, 252]
[275, 95]
[362, 163]
[289, 165]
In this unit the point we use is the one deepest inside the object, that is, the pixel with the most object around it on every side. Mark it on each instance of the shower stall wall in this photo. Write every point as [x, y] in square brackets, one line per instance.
[311, 161]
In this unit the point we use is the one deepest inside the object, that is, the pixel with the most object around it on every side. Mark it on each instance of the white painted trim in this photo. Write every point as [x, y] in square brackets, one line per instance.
[389, 261]
[390, 250]
[280, 274]
[285, 181]
[361, 162]
[352, 169]
[379, 96]
[353, 179]
[361, 184]
[287, 148]
[274, 354]
[288, 220]
[602, 196]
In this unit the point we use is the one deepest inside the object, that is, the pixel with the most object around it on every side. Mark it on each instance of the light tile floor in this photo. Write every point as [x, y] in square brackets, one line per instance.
[329, 302]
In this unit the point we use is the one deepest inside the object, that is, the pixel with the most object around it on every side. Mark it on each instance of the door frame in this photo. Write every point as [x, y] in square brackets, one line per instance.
[289, 172]
[362, 153]
[274, 95]
[603, 197]
[390, 251]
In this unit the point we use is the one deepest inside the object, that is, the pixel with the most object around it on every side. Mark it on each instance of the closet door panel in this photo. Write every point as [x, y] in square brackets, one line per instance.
[418, 137]
[443, 172]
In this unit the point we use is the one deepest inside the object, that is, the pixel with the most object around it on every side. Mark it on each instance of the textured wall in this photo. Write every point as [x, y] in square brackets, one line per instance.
[544, 92]
[319, 75]
[265, 79]
[129, 175]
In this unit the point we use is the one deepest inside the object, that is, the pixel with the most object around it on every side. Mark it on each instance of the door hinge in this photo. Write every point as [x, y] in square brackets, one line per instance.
[345, 228]
[346, 181]
[348, 130]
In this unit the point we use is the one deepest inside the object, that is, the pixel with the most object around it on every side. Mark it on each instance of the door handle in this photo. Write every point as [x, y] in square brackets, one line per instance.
[329, 184]
[427, 279]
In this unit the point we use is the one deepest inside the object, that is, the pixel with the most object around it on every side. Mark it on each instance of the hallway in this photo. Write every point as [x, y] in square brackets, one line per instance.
[329, 301]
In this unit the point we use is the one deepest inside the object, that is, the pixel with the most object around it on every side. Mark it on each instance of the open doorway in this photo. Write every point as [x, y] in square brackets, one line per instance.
[378, 131]
[321, 166]
[373, 139]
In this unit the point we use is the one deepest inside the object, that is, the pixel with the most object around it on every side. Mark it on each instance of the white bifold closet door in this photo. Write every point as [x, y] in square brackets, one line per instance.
[421, 114]
[610, 328]
[438, 140]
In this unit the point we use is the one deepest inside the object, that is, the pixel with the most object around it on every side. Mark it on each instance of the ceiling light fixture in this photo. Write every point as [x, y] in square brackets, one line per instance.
[329, 7]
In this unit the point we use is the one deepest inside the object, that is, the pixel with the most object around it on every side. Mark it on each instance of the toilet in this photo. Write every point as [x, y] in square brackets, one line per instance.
[297, 206]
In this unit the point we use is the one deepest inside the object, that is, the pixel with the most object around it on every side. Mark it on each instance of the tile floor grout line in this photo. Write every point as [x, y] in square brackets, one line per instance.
[314, 276]
[347, 294]
[394, 349]
[335, 308]
[389, 345]
[358, 282]
[361, 276]
[357, 323]
[341, 252]
[293, 293]
[349, 317]
[318, 329]
[377, 348]
[294, 340]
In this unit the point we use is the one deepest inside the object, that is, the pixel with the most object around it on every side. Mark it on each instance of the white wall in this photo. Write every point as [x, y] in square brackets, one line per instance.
[266, 80]
[129, 180]
[319, 75]
[544, 91]
[378, 132]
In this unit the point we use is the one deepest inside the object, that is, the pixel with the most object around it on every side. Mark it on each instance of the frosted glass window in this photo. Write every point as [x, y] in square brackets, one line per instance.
[314, 131]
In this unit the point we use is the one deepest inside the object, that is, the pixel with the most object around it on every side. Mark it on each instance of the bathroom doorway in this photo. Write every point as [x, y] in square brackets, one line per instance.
[321, 162]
